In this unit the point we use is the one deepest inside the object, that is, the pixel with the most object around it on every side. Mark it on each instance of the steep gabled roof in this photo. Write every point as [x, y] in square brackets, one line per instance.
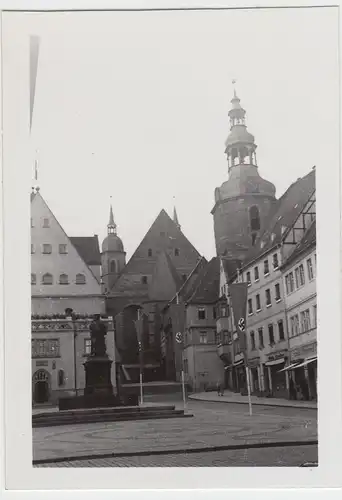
[230, 267]
[208, 284]
[165, 279]
[286, 211]
[88, 248]
[308, 241]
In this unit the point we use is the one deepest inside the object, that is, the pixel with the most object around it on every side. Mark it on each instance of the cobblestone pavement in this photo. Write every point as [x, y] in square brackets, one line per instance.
[213, 424]
[266, 457]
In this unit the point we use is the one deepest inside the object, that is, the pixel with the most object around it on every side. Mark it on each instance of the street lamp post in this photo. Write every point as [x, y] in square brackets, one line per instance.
[69, 312]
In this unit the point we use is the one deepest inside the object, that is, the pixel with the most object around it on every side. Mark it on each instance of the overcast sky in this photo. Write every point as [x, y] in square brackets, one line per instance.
[135, 106]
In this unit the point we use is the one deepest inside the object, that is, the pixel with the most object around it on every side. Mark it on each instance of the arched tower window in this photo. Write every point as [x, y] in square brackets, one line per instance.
[254, 218]
[113, 266]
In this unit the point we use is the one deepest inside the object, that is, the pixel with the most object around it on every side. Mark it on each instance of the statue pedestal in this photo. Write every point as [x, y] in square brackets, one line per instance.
[98, 376]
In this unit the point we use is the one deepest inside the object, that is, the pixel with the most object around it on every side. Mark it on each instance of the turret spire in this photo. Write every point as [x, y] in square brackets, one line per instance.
[111, 225]
[175, 217]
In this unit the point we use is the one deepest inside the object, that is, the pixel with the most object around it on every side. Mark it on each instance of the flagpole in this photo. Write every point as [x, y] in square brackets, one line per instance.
[183, 382]
[248, 387]
[140, 362]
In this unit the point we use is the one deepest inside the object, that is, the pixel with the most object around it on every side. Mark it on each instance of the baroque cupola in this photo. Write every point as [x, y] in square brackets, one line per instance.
[244, 200]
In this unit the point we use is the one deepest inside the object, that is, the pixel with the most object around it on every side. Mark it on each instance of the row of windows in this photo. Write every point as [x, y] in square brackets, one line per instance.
[268, 299]
[47, 279]
[45, 222]
[296, 279]
[47, 248]
[301, 323]
[45, 348]
[271, 336]
[275, 265]
[202, 313]
[150, 252]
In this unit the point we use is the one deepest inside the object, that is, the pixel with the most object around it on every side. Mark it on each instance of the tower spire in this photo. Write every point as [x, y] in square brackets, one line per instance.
[240, 144]
[111, 225]
[175, 216]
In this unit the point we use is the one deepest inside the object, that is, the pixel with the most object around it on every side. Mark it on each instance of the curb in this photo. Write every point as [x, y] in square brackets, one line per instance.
[195, 398]
[275, 444]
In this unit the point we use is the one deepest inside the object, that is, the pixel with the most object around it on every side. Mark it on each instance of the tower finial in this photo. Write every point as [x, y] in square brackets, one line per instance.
[111, 225]
[234, 82]
[175, 216]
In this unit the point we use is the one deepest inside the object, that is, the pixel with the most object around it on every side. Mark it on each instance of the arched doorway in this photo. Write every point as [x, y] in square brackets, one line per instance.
[41, 386]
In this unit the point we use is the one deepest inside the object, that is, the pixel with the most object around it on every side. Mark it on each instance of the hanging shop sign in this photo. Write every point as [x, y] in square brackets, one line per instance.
[277, 355]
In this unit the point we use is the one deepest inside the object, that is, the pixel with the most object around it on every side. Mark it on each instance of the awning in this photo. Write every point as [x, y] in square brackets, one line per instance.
[290, 367]
[306, 362]
[275, 362]
[238, 363]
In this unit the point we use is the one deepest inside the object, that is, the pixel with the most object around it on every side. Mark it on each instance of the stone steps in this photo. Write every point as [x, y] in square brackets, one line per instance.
[119, 414]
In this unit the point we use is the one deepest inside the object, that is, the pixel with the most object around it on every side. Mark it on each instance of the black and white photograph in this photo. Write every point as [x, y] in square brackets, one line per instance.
[167, 163]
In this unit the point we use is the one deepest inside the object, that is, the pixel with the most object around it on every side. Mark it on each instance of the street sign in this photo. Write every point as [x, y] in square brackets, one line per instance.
[179, 337]
[241, 324]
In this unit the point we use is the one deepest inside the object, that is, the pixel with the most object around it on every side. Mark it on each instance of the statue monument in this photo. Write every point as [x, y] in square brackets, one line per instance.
[98, 365]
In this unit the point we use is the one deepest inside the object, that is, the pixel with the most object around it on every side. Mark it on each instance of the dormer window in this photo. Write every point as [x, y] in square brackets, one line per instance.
[46, 222]
[80, 279]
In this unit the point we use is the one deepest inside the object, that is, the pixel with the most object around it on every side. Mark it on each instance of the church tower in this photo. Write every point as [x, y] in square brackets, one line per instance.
[113, 256]
[244, 201]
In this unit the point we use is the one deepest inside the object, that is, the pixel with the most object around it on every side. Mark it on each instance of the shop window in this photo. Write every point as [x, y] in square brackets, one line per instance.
[268, 297]
[281, 329]
[252, 341]
[310, 269]
[256, 273]
[277, 292]
[201, 313]
[271, 333]
[275, 261]
[47, 279]
[258, 303]
[254, 218]
[266, 268]
[203, 338]
[250, 306]
[80, 279]
[261, 338]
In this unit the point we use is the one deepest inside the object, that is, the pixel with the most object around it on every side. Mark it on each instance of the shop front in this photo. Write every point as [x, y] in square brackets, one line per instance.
[239, 374]
[276, 375]
[304, 371]
[253, 365]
